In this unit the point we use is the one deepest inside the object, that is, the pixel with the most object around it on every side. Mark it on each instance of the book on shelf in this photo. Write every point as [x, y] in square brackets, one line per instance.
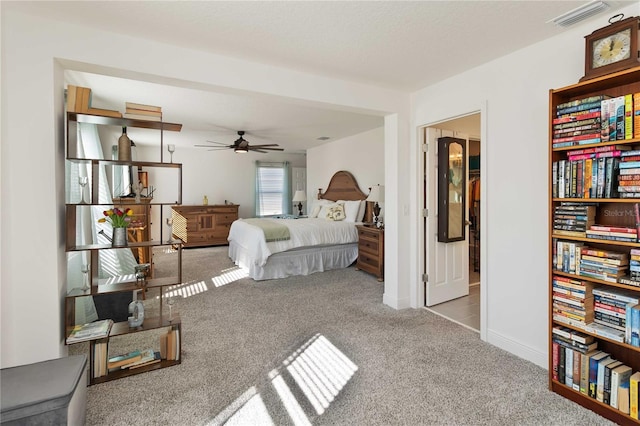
[636, 115]
[601, 373]
[634, 392]
[104, 112]
[90, 331]
[606, 388]
[147, 356]
[116, 362]
[594, 361]
[141, 117]
[620, 375]
[149, 360]
[143, 112]
[71, 98]
[133, 105]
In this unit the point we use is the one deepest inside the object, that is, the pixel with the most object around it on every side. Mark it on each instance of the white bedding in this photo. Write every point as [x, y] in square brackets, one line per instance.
[304, 233]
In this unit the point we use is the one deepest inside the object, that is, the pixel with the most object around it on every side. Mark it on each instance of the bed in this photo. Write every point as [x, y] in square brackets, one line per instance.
[266, 250]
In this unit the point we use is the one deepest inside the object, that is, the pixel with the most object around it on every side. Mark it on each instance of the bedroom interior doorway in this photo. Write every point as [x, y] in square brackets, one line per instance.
[461, 301]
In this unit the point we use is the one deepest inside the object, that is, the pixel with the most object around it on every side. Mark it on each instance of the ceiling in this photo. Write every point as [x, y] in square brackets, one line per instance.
[394, 44]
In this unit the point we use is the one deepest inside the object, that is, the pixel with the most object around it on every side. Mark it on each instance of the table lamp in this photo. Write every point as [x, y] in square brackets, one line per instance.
[299, 197]
[376, 195]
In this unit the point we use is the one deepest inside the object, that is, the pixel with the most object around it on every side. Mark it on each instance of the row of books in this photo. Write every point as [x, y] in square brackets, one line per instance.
[596, 119]
[577, 363]
[574, 257]
[170, 345]
[614, 312]
[79, 100]
[586, 177]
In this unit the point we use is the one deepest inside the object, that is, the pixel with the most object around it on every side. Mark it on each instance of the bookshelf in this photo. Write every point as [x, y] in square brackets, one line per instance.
[78, 209]
[592, 242]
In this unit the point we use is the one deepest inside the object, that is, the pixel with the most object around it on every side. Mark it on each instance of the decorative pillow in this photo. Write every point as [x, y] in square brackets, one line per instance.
[351, 209]
[324, 210]
[317, 205]
[336, 213]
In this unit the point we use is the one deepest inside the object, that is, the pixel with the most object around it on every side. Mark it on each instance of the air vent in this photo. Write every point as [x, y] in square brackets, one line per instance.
[579, 14]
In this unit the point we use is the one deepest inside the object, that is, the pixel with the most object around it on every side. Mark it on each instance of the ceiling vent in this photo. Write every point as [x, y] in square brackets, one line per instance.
[579, 14]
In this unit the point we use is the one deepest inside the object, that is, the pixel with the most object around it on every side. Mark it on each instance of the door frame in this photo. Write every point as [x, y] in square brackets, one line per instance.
[485, 285]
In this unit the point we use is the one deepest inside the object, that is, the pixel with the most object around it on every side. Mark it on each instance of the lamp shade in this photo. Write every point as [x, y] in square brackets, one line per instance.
[299, 196]
[376, 194]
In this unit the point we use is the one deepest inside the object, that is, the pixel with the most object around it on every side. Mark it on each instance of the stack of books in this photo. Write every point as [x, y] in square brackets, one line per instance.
[572, 301]
[629, 174]
[90, 331]
[618, 309]
[605, 265]
[615, 233]
[143, 112]
[578, 122]
[132, 360]
[569, 357]
[573, 219]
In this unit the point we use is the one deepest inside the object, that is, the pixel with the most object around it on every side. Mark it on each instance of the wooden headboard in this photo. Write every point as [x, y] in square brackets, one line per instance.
[343, 186]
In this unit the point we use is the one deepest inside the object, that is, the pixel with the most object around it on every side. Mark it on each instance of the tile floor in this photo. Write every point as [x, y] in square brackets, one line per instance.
[464, 310]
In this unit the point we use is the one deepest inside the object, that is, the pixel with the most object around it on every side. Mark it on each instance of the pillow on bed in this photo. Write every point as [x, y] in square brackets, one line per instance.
[351, 209]
[324, 210]
[317, 205]
[336, 213]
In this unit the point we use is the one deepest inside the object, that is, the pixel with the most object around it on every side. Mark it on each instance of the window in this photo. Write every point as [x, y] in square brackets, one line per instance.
[272, 189]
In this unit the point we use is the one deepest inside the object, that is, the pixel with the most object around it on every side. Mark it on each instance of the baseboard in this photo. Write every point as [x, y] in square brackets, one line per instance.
[395, 303]
[518, 349]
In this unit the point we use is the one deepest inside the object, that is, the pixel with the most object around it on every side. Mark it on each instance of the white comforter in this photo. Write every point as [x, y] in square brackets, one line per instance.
[303, 232]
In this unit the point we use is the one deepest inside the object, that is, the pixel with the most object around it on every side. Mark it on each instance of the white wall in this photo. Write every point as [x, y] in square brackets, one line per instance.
[362, 155]
[35, 51]
[515, 176]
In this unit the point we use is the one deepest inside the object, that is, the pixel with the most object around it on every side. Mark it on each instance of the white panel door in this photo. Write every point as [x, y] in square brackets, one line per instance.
[447, 264]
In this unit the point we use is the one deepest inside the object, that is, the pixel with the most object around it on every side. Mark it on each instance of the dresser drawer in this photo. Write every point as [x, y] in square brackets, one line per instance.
[369, 246]
[365, 260]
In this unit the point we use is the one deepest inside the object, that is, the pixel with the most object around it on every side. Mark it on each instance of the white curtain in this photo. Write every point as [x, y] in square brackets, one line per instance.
[114, 264]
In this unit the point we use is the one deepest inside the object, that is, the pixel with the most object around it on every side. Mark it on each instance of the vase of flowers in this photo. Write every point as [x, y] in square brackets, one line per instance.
[119, 220]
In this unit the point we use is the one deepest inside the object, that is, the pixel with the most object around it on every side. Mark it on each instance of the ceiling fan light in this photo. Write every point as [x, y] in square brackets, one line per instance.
[241, 150]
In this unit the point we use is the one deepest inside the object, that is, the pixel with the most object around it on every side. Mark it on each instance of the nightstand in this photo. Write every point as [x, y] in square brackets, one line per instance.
[371, 250]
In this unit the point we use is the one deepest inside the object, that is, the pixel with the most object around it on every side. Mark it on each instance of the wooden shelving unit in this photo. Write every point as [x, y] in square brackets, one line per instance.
[142, 246]
[613, 85]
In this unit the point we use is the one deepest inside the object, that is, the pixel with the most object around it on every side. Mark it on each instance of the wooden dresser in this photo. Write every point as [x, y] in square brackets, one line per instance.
[200, 226]
[371, 250]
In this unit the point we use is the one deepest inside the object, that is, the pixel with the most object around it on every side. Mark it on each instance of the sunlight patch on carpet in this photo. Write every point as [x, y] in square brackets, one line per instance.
[186, 290]
[229, 275]
[321, 370]
[316, 372]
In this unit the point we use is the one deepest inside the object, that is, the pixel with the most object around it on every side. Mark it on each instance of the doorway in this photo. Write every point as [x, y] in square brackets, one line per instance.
[464, 309]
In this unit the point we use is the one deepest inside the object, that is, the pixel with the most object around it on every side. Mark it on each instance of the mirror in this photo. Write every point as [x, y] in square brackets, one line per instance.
[452, 172]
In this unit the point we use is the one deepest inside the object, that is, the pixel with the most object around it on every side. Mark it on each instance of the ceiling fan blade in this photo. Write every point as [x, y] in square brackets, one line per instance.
[218, 147]
[273, 149]
[265, 146]
[258, 150]
[219, 143]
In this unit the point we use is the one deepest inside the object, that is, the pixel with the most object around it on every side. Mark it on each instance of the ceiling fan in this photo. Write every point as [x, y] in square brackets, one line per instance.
[241, 146]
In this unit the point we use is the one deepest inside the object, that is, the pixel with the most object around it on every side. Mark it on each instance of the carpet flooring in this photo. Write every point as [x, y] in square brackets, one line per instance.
[321, 350]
